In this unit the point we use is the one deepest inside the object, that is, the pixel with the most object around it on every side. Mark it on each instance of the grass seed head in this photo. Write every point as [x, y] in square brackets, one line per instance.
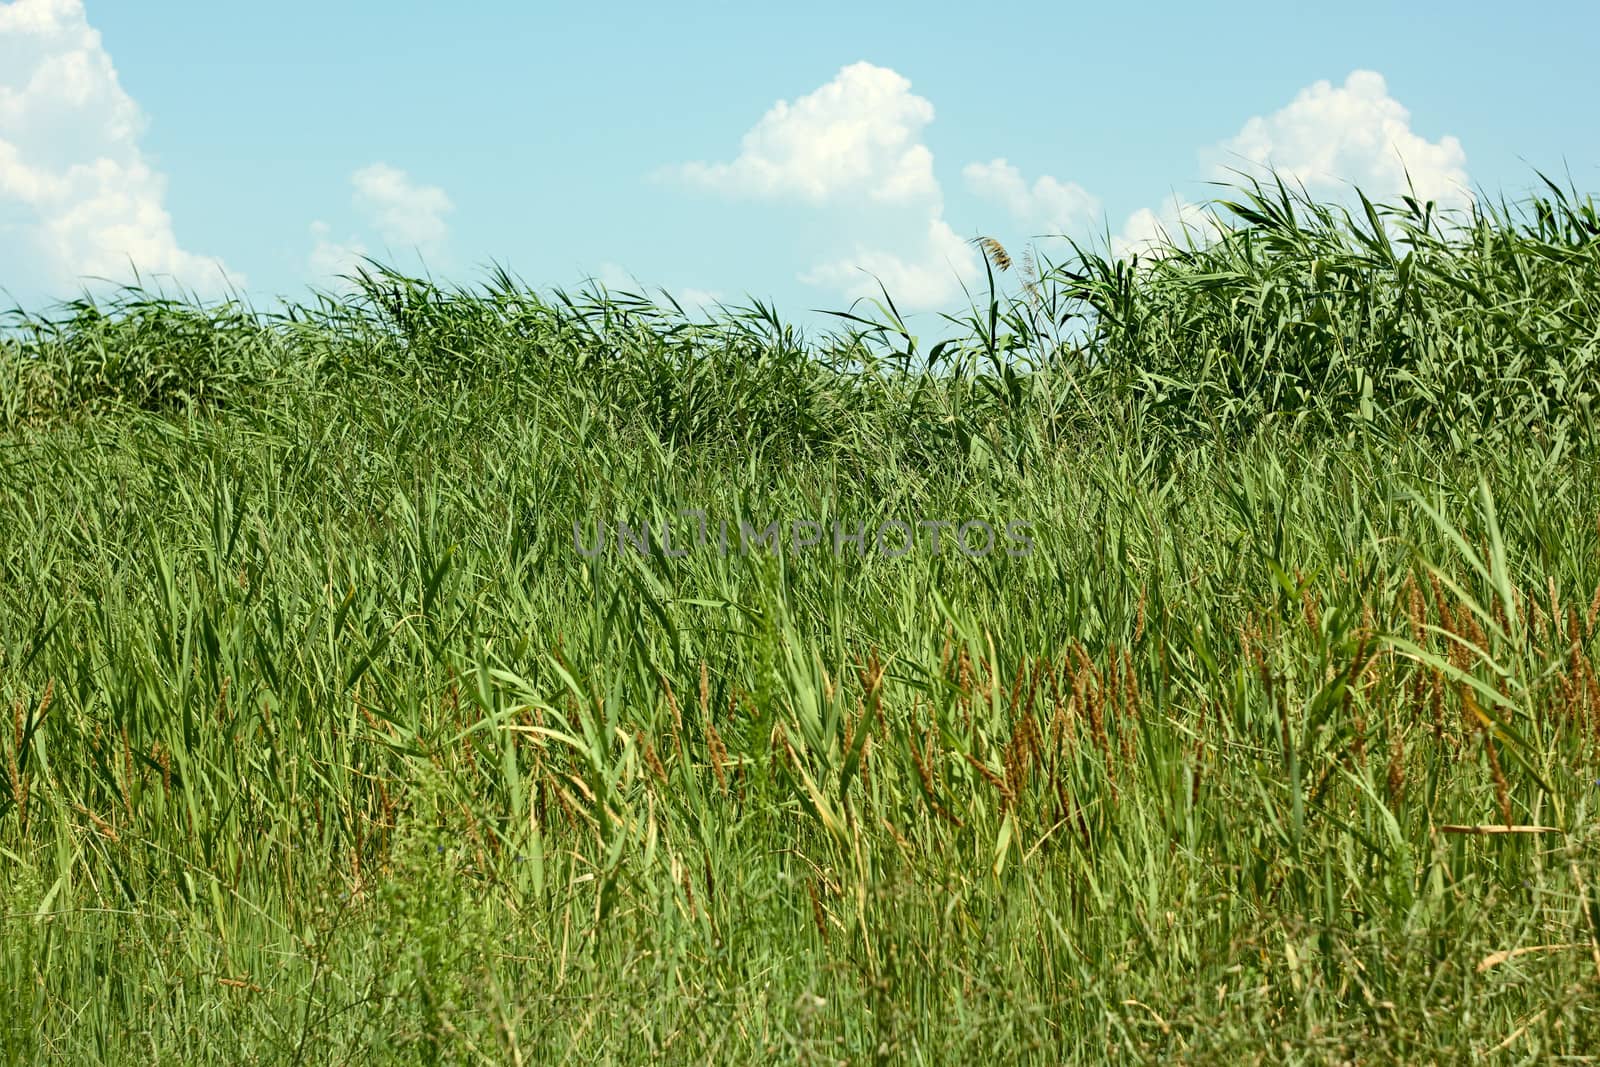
[996, 252]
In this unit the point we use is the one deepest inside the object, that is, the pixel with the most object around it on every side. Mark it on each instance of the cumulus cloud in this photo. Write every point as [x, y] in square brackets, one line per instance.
[404, 213]
[1329, 139]
[72, 173]
[855, 146]
[1056, 205]
[694, 299]
[856, 142]
[333, 259]
[1174, 222]
[618, 279]
[858, 135]
[930, 275]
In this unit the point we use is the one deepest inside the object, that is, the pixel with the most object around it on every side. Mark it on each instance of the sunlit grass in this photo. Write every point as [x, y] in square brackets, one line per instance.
[322, 742]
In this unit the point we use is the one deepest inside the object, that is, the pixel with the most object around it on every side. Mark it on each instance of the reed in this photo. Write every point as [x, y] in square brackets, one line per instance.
[327, 744]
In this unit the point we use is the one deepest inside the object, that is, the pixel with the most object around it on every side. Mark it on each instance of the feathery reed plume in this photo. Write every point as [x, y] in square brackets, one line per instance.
[719, 755]
[1094, 693]
[1591, 688]
[651, 760]
[1416, 610]
[677, 716]
[1021, 756]
[1007, 796]
[818, 917]
[1396, 778]
[1308, 604]
[996, 252]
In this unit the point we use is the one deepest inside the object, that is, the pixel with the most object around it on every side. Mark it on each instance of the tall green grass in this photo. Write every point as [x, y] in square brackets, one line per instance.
[326, 743]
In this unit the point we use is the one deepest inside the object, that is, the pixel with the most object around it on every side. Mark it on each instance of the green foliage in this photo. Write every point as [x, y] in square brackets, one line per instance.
[321, 741]
[1478, 328]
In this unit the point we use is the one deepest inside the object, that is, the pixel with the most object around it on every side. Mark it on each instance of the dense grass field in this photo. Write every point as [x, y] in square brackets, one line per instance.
[1267, 729]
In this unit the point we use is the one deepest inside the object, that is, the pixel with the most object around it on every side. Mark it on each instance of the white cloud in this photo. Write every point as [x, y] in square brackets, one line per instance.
[71, 169]
[404, 213]
[1150, 231]
[860, 134]
[1056, 205]
[854, 146]
[332, 259]
[931, 277]
[1330, 138]
[618, 279]
[694, 299]
[856, 143]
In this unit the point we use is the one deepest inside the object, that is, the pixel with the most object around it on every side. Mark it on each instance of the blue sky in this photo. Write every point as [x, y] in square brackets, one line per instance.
[726, 149]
